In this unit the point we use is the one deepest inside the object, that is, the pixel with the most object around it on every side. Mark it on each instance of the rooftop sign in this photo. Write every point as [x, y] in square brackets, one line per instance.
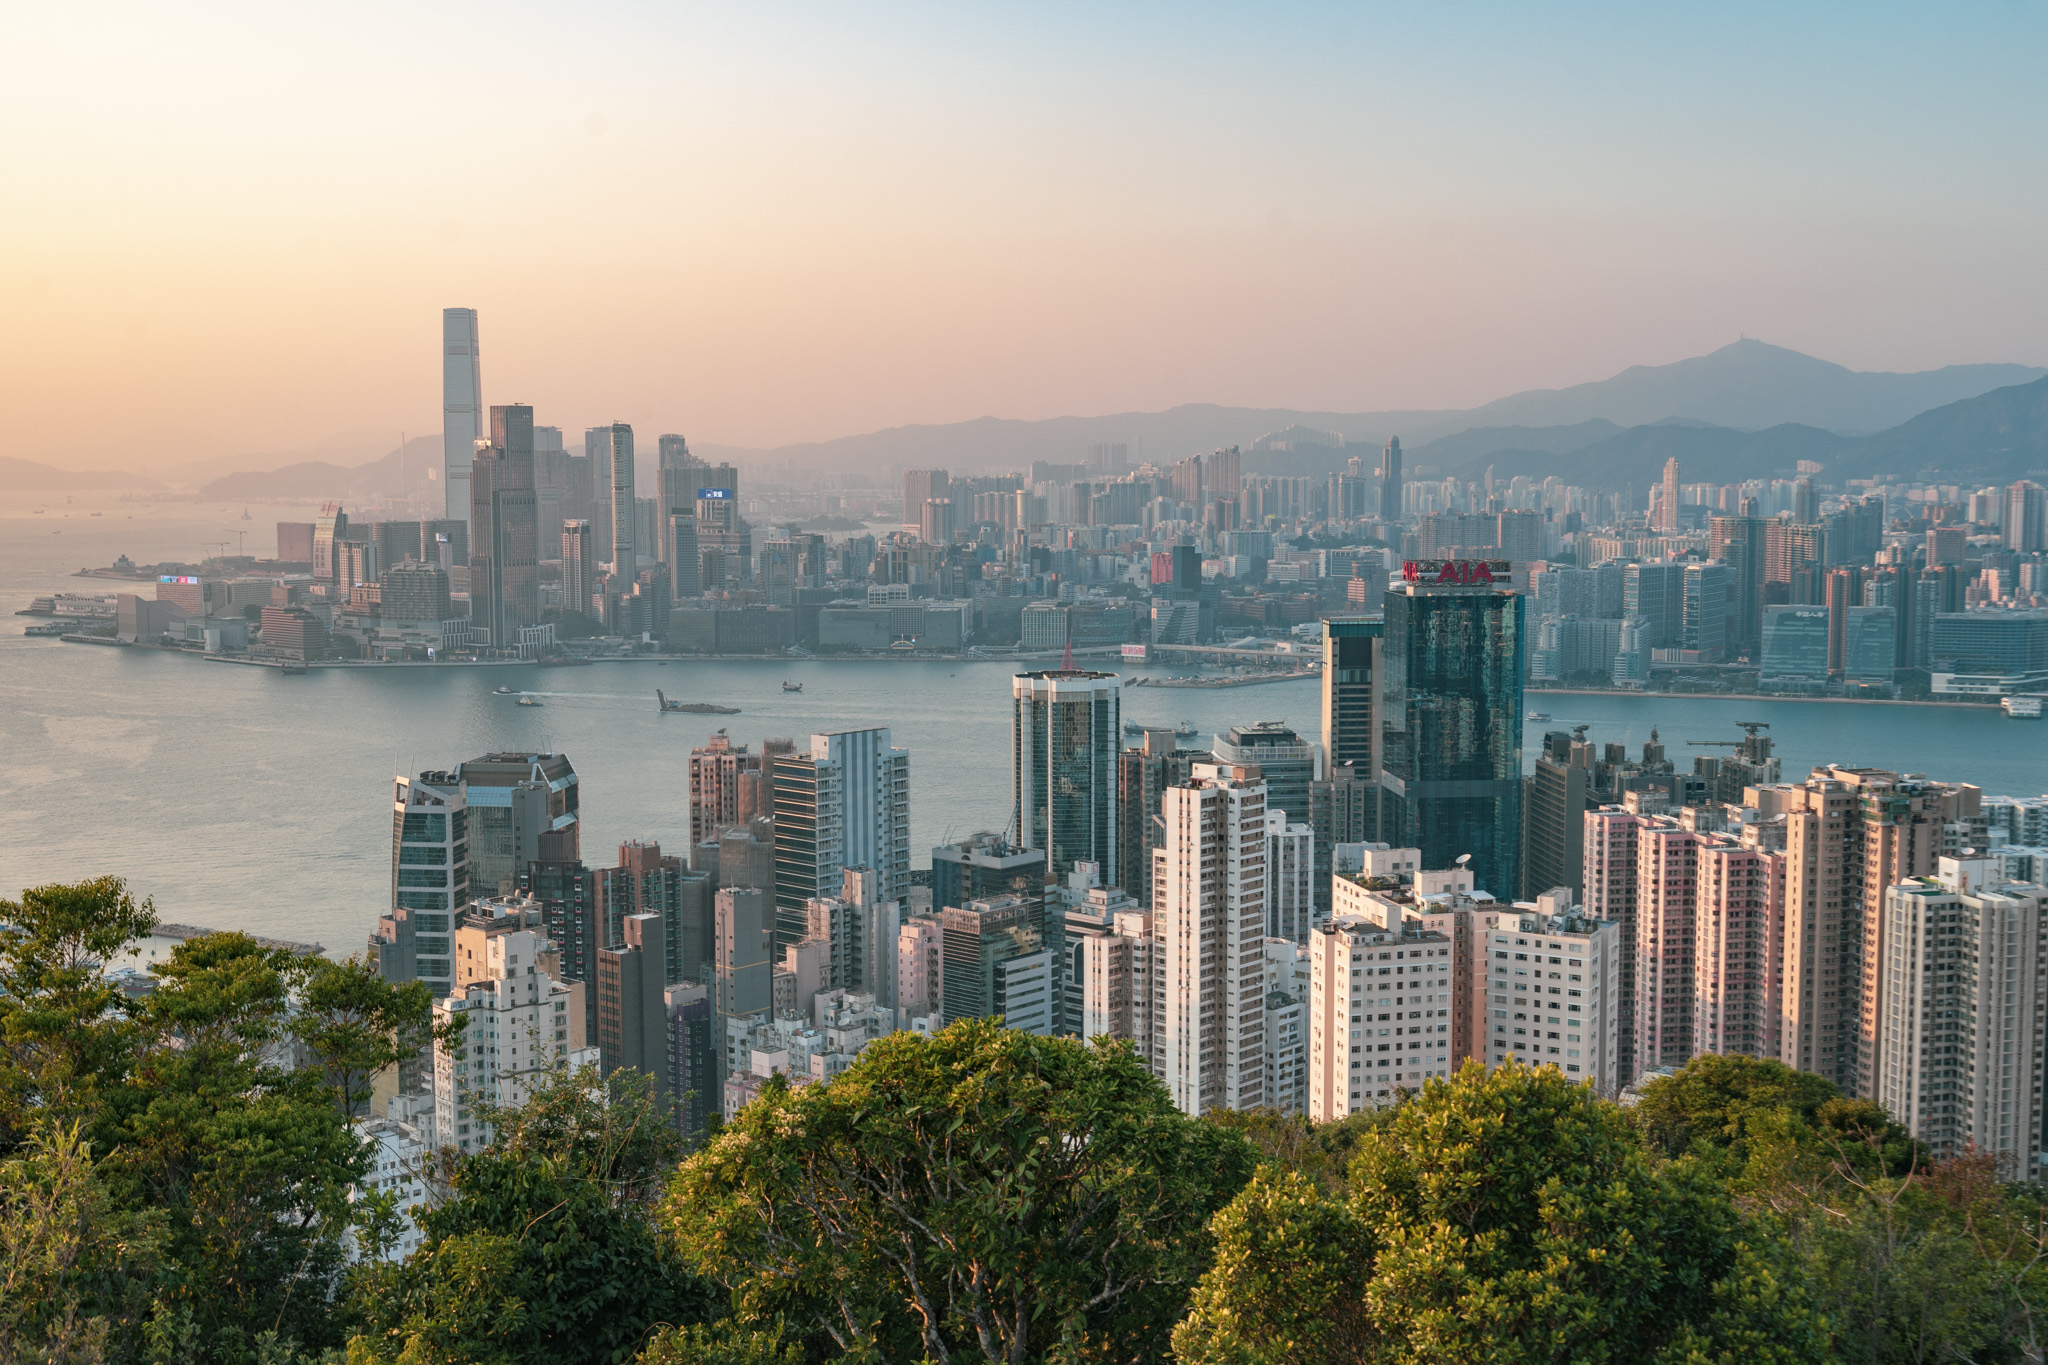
[1461, 571]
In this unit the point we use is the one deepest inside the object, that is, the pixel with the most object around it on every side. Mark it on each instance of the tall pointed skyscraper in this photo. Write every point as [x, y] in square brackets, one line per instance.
[462, 406]
[1390, 480]
[625, 559]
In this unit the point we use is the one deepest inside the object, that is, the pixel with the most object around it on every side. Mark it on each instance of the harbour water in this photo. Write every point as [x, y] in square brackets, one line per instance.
[240, 798]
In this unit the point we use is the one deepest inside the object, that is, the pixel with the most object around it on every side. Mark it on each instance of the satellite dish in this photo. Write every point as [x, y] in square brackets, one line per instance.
[1464, 858]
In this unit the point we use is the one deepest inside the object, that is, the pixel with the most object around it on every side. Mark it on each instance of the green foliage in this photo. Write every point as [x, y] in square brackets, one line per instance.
[547, 1248]
[63, 1023]
[726, 1343]
[982, 1193]
[1288, 1285]
[74, 1266]
[1320, 1151]
[1759, 1123]
[1515, 1217]
[354, 1024]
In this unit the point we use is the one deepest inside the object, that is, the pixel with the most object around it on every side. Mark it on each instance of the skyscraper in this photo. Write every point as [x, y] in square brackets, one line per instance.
[1066, 729]
[625, 560]
[919, 487]
[1285, 759]
[1554, 816]
[1667, 507]
[1450, 726]
[504, 546]
[716, 768]
[429, 879]
[579, 565]
[842, 802]
[1209, 927]
[1390, 480]
[521, 807]
[462, 405]
[1350, 647]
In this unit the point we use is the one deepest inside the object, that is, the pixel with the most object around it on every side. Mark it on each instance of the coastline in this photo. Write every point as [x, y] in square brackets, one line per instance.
[1756, 696]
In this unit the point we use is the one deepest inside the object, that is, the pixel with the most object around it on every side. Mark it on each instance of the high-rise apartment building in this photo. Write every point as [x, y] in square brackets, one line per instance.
[647, 882]
[1450, 726]
[1738, 945]
[995, 962]
[1290, 877]
[2024, 520]
[1066, 730]
[1550, 979]
[1963, 1034]
[842, 802]
[1667, 872]
[920, 969]
[521, 1022]
[1554, 815]
[1379, 1004]
[920, 486]
[1667, 505]
[632, 1007]
[1209, 916]
[462, 406]
[742, 968]
[716, 770]
[1145, 770]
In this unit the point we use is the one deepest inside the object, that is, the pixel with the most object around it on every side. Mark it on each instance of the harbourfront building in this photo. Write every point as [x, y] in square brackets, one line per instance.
[1450, 719]
[429, 879]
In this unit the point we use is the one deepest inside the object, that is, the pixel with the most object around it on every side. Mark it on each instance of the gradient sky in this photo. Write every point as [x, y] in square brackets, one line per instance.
[229, 228]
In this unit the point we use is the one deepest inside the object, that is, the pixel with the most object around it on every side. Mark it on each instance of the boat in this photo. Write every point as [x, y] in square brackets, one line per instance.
[503, 689]
[1539, 715]
[692, 708]
[792, 687]
[1184, 729]
[563, 661]
[52, 628]
[291, 670]
[528, 699]
[2021, 708]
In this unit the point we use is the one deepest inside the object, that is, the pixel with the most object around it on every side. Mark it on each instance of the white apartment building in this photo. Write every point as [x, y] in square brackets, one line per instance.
[1288, 984]
[1290, 877]
[1552, 986]
[404, 1140]
[1378, 1015]
[1208, 922]
[1964, 1030]
[920, 969]
[521, 1025]
[808, 1050]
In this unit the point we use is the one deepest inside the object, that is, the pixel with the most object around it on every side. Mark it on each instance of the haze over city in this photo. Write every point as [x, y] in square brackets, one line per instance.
[1331, 684]
[229, 226]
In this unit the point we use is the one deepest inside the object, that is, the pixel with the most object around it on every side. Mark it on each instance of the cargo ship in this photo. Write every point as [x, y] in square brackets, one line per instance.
[692, 708]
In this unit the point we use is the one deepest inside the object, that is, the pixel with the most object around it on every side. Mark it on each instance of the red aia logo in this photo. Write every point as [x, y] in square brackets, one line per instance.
[1461, 571]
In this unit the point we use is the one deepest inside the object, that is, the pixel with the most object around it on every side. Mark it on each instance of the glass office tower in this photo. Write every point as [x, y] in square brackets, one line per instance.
[1065, 733]
[1451, 727]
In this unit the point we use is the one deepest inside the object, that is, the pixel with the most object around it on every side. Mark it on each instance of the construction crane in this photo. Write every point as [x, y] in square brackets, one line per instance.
[1750, 726]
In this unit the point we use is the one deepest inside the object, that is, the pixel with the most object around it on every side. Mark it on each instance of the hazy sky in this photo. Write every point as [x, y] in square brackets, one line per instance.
[230, 228]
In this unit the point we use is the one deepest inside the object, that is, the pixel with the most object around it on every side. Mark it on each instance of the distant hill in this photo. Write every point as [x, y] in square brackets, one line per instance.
[1750, 385]
[1744, 386]
[1995, 437]
[395, 474]
[28, 476]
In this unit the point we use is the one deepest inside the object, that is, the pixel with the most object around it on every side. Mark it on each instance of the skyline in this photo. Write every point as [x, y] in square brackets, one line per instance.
[788, 226]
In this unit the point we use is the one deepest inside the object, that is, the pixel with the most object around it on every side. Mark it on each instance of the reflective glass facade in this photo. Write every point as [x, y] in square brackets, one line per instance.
[1451, 729]
[1065, 737]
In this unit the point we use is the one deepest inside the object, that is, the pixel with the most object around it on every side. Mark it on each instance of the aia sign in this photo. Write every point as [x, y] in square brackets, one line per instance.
[1467, 572]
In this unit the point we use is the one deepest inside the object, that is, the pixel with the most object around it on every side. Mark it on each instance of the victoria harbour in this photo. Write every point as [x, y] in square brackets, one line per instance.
[209, 771]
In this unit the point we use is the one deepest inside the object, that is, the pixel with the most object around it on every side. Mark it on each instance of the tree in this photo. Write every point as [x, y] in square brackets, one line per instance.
[354, 1024]
[1288, 1286]
[982, 1193]
[63, 1021]
[248, 1157]
[1515, 1218]
[547, 1247]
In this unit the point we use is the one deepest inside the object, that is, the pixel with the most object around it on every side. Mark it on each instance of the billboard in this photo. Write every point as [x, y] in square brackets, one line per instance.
[176, 578]
[1466, 572]
[713, 494]
[1139, 653]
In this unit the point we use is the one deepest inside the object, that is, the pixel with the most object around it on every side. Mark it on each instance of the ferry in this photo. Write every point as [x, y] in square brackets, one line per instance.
[2021, 708]
[792, 687]
[1539, 715]
[503, 689]
[52, 628]
[528, 699]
